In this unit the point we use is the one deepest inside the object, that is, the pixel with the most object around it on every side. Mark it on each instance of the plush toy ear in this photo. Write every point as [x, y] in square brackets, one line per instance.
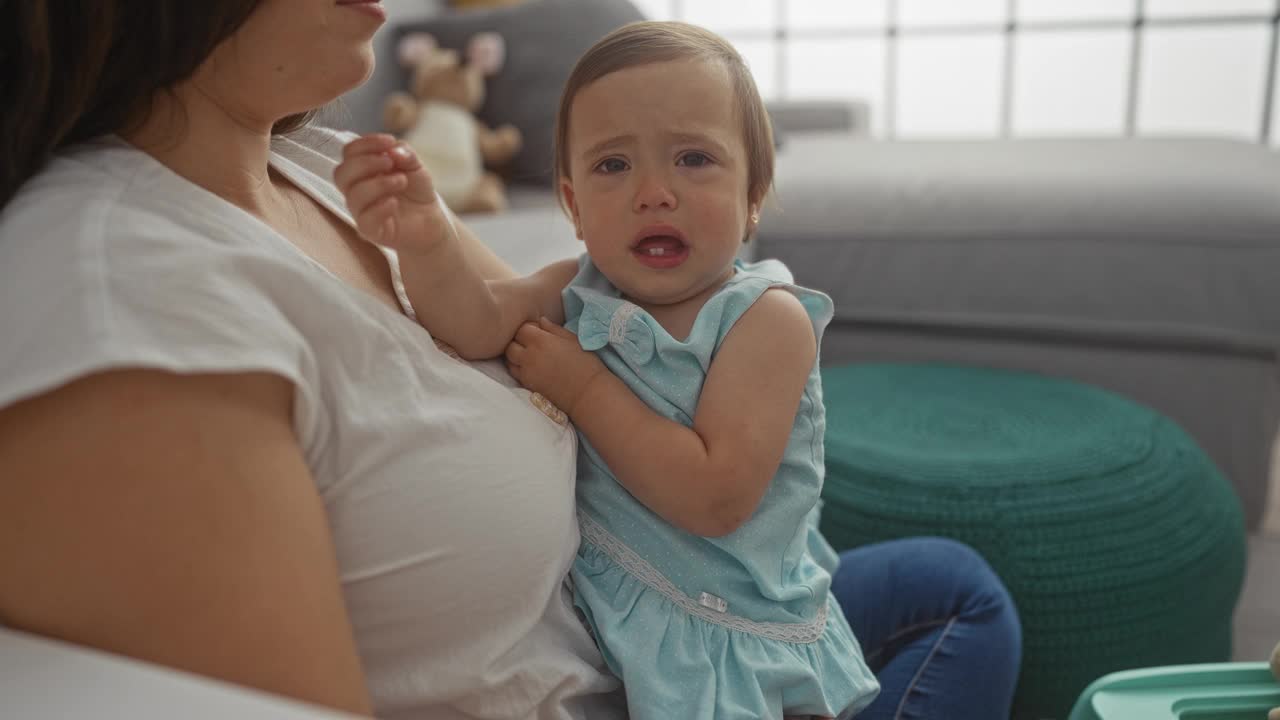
[486, 51]
[415, 46]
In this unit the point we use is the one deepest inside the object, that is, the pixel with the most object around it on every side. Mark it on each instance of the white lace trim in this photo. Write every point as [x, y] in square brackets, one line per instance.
[618, 323]
[639, 568]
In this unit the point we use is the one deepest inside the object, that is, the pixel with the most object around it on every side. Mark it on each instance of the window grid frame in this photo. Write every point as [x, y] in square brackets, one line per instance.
[894, 31]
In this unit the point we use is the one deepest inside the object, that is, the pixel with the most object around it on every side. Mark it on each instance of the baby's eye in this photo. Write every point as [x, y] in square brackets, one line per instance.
[694, 159]
[611, 165]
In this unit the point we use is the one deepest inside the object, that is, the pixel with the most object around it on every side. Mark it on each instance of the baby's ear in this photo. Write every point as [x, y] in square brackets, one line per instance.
[753, 222]
[570, 205]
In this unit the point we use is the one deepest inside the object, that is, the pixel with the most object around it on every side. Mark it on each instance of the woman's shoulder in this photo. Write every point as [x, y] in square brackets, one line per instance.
[107, 192]
[108, 212]
[85, 180]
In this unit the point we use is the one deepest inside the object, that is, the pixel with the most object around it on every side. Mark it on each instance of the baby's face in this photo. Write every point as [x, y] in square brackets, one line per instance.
[659, 178]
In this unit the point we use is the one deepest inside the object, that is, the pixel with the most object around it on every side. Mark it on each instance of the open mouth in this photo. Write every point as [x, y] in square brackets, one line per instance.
[660, 246]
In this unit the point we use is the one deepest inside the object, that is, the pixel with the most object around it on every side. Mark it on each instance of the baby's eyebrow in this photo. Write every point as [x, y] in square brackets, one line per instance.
[612, 143]
[699, 139]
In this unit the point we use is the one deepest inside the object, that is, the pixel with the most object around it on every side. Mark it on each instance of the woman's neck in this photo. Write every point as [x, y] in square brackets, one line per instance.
[211, 145]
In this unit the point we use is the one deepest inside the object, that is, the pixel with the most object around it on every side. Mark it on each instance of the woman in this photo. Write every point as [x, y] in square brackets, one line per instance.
[225, 446]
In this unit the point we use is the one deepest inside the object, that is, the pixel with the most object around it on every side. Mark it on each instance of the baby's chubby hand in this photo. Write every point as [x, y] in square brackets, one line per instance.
[547, 359]
[390, 195]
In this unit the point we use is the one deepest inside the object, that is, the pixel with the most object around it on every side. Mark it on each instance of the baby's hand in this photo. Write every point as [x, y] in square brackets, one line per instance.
[390, 195]
[547, 359]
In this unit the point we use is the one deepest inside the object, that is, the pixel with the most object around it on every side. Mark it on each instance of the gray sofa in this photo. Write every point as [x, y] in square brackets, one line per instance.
[1147, 267]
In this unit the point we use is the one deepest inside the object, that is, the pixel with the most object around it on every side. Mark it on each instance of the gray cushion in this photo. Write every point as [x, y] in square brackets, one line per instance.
[1149, 241]
[544, 39]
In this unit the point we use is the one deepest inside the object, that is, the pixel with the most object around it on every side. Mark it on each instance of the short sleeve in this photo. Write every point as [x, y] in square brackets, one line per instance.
[97, 285]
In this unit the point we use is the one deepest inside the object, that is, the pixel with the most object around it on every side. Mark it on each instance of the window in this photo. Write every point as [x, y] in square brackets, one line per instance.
[1019, 68]
[1070, 82]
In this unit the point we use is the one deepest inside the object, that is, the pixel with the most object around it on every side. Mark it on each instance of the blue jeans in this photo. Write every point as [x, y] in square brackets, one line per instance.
[937, 627]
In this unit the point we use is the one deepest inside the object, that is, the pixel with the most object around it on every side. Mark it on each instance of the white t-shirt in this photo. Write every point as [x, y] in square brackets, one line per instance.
[449, 493]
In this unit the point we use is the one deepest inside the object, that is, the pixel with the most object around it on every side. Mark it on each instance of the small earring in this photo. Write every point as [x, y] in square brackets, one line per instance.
[755, 218]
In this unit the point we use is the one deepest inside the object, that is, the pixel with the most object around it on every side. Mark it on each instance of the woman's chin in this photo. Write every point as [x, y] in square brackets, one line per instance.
[370, 64]
[340, 80]
[361, 69]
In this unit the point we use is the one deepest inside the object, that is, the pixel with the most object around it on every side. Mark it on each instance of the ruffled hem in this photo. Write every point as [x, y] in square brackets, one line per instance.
[675, 664]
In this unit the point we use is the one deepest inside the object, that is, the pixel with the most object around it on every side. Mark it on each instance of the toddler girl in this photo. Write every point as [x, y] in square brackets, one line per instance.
[691, 376]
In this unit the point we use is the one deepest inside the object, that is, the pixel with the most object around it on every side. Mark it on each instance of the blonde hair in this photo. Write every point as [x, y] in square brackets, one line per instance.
[648, 42]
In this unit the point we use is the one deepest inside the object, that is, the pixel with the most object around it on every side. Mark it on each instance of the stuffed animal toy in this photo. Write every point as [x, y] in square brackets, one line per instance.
[437, 119]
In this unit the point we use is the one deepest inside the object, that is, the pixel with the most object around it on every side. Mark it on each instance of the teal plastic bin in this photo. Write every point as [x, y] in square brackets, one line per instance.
[1219, 691]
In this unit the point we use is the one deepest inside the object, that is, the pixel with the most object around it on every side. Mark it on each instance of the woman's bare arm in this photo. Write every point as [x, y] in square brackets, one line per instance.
[172, 519]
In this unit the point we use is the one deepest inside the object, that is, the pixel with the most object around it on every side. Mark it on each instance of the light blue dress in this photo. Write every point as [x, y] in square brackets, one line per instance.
[741, 626]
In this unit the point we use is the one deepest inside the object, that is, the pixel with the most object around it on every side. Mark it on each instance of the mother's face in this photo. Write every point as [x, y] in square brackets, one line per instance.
[291, 56]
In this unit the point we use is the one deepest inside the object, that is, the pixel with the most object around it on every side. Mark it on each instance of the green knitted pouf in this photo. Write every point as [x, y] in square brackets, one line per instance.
[1120, 542]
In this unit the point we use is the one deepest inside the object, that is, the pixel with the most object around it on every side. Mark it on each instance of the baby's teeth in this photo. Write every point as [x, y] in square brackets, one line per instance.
[657, 251]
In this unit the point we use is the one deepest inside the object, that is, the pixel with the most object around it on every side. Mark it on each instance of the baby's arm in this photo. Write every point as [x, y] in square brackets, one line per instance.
[394, 203]
[479, 317]
[708, 479]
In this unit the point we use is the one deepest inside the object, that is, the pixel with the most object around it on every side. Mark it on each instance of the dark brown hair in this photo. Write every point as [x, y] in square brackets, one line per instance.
[643, 43]
[71, 70]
